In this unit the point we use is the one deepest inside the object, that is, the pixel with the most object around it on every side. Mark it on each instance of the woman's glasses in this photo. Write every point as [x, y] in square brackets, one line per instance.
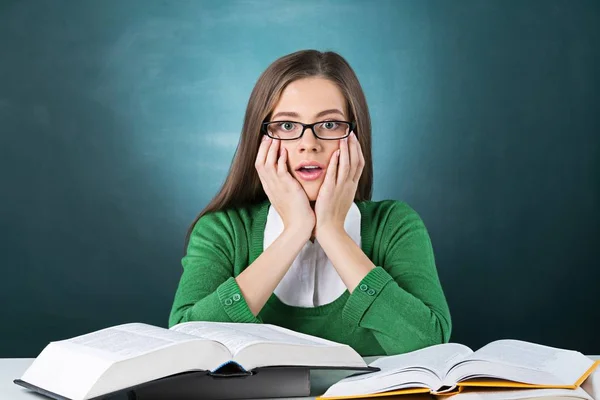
[292, 130]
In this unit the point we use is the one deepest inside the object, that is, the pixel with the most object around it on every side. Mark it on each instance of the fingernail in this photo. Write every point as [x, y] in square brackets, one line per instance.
[264, 138]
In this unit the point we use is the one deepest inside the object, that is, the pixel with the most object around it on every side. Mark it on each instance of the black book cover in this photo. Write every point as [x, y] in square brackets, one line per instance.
[228, 382]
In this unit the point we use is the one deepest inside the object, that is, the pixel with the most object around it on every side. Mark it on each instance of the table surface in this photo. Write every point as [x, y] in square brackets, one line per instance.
[13, 368]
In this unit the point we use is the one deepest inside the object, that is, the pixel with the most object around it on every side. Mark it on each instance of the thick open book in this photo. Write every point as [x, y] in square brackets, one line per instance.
[448, 368]
[120, 357]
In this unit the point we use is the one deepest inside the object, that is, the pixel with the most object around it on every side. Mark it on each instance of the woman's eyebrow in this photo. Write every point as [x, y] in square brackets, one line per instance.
[330, 111]
[296, 115]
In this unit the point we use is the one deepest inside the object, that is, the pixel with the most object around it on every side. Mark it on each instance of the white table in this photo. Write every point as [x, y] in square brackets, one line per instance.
[13, 368]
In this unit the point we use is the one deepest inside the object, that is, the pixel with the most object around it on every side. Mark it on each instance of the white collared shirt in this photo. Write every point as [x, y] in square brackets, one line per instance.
[311, 280]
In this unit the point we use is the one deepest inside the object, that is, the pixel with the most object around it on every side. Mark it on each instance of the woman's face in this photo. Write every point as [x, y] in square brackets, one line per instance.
[310, 100]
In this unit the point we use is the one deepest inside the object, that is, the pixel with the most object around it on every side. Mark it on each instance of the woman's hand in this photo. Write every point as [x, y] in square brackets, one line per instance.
[284, 192]
[339, 187]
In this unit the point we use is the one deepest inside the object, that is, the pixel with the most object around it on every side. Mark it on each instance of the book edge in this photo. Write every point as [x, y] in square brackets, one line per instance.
[39, 390]
[380, 394]
[521, 385]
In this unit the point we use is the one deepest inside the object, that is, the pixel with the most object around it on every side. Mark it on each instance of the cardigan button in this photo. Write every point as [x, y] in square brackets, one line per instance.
[371, 292]
[363, 288]
[236, 297]
[228, 302]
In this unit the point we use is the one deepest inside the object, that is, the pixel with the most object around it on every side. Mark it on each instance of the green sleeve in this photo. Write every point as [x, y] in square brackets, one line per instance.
[207, 289]
[402, 301]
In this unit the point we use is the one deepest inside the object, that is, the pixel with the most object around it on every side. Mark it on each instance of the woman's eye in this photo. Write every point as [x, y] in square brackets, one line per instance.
[287, 126]
[329, 125]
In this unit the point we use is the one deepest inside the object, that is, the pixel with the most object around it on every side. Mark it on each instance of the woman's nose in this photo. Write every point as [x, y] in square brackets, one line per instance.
[309, 142]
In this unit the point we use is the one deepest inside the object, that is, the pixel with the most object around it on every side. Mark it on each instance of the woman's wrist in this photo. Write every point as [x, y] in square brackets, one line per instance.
[330, 227]
[298, 232]
[327, 232]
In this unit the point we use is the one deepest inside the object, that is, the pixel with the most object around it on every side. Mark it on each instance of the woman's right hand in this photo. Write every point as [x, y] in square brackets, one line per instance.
[282, 189]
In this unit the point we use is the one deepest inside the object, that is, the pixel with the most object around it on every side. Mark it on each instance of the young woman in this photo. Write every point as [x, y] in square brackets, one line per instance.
[292, 238]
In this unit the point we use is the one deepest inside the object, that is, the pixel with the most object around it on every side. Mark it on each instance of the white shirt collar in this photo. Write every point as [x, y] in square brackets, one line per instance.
[311, 280]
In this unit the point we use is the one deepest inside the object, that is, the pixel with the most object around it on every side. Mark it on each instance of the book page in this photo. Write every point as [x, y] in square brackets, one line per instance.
[523, 362]
[66, 371]
[438, 359]
[521, 394]
[422, 368]
[238, 336]
[117, 357]
[126, 341]
[262, 345]
[372, 383]
[592, 384]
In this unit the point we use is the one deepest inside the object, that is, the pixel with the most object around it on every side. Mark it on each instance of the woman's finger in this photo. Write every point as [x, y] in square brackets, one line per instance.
[262, 152]
[361, 162]
[272, 155]
[282, 162]
[354, 158]
[330, 175]
[344, 162]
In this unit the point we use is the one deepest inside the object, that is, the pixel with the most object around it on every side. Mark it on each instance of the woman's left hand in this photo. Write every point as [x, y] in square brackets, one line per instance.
[339, 187]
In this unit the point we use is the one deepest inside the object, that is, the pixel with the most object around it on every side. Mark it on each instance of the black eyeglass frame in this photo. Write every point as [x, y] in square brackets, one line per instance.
[311, 126]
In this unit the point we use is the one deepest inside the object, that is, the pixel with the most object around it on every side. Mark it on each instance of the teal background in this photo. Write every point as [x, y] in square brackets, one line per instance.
[119, 119]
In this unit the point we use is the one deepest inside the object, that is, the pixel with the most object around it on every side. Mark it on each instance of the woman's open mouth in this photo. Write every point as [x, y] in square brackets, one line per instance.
[310, 171]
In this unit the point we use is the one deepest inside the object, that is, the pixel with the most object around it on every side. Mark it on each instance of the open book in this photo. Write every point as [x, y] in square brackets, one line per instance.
[123, 356]
[508, 394]
[448, 368]
[521, 394]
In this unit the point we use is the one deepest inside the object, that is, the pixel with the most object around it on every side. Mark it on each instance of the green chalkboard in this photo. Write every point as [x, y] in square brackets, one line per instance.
[119, 118]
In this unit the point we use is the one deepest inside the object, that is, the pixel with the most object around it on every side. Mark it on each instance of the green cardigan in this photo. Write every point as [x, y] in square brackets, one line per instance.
[398, 307]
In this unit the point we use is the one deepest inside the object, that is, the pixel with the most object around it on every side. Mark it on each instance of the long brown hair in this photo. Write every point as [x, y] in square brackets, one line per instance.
[242, 185]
